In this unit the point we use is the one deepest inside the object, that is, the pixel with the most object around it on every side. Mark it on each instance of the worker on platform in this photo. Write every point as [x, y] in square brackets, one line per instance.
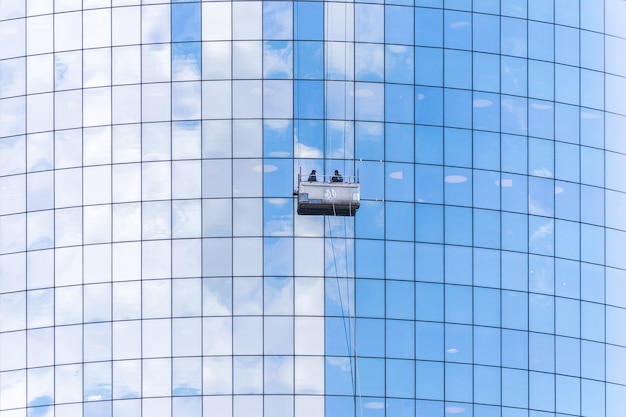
[337, 177]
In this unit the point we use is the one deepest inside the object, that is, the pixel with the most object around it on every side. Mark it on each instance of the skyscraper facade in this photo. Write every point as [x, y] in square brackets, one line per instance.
[152, 261]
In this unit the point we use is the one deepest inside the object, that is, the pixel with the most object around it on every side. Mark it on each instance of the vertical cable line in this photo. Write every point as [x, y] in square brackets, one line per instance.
[580, 308]
[141, 159]
[112, 206]
[232, 217]
[171, 203]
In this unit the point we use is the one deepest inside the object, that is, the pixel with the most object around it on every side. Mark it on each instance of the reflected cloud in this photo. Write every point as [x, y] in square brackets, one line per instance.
[455, 179]
[541, 106]
[460, 24]
[396, 175]
[480, 103]
[543, 172]
[375, 405]
[455, 410]
[265, 168]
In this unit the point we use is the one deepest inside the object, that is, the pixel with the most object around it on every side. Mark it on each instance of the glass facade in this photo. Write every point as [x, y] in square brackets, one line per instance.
[152, 262]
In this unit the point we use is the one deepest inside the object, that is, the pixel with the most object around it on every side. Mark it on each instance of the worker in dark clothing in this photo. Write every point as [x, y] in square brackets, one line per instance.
[337, 177]
[312, 176]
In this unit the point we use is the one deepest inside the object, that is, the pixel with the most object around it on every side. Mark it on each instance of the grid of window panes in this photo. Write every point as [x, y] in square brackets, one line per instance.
[151, 261]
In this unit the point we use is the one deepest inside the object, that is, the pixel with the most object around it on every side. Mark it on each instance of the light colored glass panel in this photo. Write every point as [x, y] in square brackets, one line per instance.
[278, 336]
[40, 74]
[309, 255]
[217, 336]
[309, 335]
[278, 296]
[97, 381]
[96, 28]
[248, 296]
[247, 20]
[126, 261]
[247, 256]
[247, 99]
[278, 375]
[126, 143]
[68, 383]
[12, 151]
[126, 182]
[248, 374]
[68, 152]
[247, 138]
[216, 100]
[186, 100]
[126, 25]
[68, 67]
[39, 112]
[156, 338]
[155, 102]
[126, 300]
[40, 229]
[126, 379]
[97, 299]
[98, 342]
[13, 236]
[35, 7]
[13, 270]
[68, 343]
[68, 305]
[309, 406]
[97, 224]
[339, 23]
[275, 94]
[247, 217]
[187, 376]
[126, 222]
[40, 269]
[156, 374]
[67, 31]
[13, 81]
[247, 59]
[156, 259]
[247, 336]
[217, 376]
[40, 347]
[40, 386]
[68, 230]
[39, 194]
[13, 194]
[216, 60]
[97, 67]
[126, 65]
[216, 21]
[97, 185]
[13, 309]
[155, 24]
[309, 375]
[66, 104]
[156, 220]
[156, 299]
[186, 337]
[186, 218]
[186, 179]
[12, 38]
[156, 141]
[40, 304]
[340, 61]
[186, 258]
[186, 297]
[186, 140]
[97, 266]
[126, 340]
[156, 179]
[247, 178]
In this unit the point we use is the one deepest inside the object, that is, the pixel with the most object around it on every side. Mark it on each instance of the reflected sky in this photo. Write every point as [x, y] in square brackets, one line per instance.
[149, 246]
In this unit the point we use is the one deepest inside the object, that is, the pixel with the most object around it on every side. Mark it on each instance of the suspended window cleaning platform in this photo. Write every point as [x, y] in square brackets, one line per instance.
[328, 195]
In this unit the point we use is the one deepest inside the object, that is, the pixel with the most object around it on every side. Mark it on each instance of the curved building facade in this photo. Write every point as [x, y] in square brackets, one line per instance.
[152, 261]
